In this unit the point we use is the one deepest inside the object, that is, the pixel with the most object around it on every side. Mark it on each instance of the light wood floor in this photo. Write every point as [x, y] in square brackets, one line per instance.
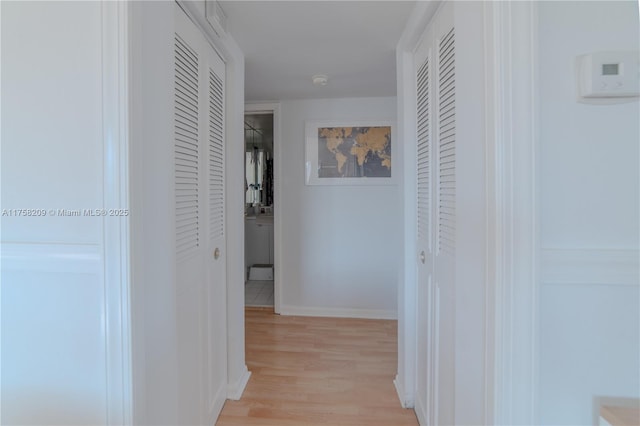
[318, 371]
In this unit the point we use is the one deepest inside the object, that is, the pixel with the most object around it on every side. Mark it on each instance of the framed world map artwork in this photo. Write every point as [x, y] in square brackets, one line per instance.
[349, 153]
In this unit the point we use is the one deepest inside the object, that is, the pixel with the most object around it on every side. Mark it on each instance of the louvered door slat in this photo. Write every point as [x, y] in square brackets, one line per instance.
[216, 156]
[184, 164]
[423, 152]
[184, 88]
[184, 155]
[186, 148]
[186, 111]
[447, 114]
[446, 145]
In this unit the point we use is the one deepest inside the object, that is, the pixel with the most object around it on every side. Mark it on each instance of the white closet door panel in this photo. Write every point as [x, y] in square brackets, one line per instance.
[444, 211]
[436, 218]
[216, 347]
[199, 147]
[188, 220]
[424, 288]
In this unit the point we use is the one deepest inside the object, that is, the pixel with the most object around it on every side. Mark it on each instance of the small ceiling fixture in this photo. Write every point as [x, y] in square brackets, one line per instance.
[320, 80]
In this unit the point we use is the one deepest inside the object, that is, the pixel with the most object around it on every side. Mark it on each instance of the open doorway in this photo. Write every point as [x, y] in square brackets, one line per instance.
[259, 209]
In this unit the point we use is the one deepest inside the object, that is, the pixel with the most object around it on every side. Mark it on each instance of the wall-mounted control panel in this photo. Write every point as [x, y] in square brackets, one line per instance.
[614, 74]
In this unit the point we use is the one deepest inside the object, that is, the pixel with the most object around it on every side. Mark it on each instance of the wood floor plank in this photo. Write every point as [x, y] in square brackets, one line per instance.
[309, 371]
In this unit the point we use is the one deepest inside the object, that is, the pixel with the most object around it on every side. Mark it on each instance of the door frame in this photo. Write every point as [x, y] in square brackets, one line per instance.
[237, 372]
[512, 212]
[116, 236]
[273, 108]
[511, 209]
[405, 380]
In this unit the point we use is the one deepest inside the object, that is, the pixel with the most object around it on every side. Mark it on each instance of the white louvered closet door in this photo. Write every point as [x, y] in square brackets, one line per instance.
[216, 331]
[436, 219]
[199, 173]
[445, 217]
[424, 102]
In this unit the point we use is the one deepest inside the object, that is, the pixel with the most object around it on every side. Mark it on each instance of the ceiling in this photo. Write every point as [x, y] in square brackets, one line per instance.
[286, 42]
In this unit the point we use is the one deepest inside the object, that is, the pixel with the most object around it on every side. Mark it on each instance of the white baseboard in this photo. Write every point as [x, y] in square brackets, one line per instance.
[590, 267]
[235, 390]
[421, 413]
[307, 311]
[216, 406]
[405, 399]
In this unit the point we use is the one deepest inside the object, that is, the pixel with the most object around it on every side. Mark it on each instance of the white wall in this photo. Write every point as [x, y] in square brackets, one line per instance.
[589, 188]
[65, 281]
[57, 329]
[153, 269]
[341, 245]
[471, 196]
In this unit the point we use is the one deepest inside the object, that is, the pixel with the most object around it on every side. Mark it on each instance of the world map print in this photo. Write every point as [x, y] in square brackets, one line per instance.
[348, 152]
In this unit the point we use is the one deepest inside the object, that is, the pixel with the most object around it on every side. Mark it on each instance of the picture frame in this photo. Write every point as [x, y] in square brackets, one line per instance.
[353, 152]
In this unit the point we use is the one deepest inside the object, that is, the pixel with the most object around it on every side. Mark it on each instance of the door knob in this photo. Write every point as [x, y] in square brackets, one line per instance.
[216, 253]
[423, 257]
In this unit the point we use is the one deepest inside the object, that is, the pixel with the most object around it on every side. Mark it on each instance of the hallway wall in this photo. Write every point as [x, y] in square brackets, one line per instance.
[589, 189]
[61, 357]
[341, 245]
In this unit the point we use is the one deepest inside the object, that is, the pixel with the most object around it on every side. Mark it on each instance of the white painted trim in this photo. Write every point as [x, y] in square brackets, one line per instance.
[407, 288]
[312, 311]
[115, 238]
[216, 406]
[274, 108]
[236, 272]
[235, 390]
[51, 257]
[406, 401]
[0, 103]
[201, 22]
[420, 17]
[421, 412]
[137, 252]
[513, 215]
[590, 267]
[490, 217]
[405, 381]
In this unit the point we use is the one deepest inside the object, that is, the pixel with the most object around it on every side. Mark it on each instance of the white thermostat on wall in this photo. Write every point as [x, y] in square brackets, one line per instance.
[614, 74]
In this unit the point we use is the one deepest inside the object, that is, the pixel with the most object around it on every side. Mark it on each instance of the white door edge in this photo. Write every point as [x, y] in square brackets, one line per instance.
[116, 231]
